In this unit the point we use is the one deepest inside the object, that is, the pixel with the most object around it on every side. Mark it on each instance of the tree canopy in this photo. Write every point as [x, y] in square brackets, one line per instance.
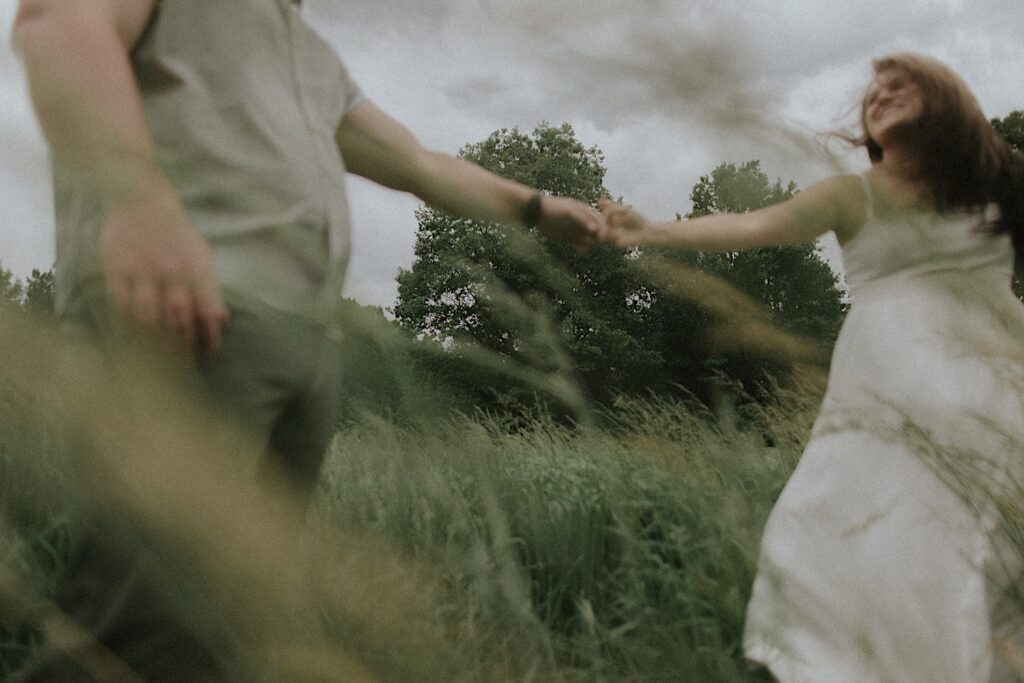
[35, 294]
[1011, 127]
[516, 293]
[793, 283]
[10, 287]
[598, 319]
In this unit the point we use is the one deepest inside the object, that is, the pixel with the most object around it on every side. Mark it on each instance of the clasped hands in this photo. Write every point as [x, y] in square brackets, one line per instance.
[581, 226]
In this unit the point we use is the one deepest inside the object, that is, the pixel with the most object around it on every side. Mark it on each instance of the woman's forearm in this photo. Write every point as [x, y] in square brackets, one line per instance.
[715, 232]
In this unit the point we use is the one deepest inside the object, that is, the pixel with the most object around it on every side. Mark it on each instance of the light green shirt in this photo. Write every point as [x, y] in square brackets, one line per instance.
[243, 99]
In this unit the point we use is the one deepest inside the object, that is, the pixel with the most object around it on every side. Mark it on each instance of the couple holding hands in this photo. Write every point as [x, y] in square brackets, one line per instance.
[200, 151]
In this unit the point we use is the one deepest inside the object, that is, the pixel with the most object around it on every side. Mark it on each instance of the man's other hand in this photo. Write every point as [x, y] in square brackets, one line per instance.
[159, 273]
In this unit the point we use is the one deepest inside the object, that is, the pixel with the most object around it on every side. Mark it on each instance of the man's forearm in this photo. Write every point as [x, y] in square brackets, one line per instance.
[380, 149]
[463, 188]
[86, 99]
[468, 190]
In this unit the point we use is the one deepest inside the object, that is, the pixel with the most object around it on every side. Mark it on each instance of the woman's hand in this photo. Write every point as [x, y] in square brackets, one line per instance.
[625, 226]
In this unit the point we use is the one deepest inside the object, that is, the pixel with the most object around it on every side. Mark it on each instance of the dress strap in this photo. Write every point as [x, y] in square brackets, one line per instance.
[869, 198]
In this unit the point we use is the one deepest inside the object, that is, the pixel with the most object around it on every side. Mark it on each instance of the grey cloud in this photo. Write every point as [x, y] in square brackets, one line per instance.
[712, 59]
[385, 16]
[26, 236]
[668, 89]
[474, 91]
[689, 69]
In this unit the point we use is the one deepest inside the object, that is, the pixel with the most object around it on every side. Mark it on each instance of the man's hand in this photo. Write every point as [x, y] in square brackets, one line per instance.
[624, 226]
[159, 272]
[571, 221]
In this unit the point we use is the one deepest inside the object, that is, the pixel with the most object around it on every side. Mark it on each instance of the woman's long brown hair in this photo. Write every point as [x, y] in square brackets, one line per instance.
[963, 161]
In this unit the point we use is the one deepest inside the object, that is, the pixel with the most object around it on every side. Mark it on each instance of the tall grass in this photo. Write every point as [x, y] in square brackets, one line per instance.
[439, 548]
[459, 549]
[621, 553]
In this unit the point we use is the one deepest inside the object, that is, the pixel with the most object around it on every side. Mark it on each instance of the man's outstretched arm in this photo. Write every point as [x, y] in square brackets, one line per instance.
[377, 147]
[158, 268]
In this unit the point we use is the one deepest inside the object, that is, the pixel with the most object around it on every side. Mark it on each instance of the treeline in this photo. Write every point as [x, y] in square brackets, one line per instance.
[1011, 127]
[520, 317]
[35, 294]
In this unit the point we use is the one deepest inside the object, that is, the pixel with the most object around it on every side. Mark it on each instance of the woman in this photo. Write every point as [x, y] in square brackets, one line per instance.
[886, 556]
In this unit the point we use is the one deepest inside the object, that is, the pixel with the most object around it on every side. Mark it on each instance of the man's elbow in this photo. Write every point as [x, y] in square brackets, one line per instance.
[53, 24]
[30, 14]
[30, 10]
[38, 24]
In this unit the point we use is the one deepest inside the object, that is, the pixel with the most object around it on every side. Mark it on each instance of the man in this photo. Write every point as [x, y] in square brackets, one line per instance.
[199, 151]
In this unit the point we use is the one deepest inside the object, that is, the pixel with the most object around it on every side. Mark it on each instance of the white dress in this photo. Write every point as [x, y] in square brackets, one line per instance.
[887, 557]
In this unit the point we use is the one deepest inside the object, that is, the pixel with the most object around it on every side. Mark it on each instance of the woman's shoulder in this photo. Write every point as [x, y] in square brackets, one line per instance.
[847, 187]
[893, 194]
[850, 199]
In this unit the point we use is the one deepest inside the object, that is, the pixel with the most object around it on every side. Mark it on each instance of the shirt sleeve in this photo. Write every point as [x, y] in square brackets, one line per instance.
[354, 95]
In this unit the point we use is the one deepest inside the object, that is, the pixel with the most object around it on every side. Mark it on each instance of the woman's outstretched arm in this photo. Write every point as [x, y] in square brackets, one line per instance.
[832, 205]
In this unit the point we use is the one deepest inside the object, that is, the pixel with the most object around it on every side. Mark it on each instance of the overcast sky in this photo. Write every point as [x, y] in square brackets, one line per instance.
[668, 90]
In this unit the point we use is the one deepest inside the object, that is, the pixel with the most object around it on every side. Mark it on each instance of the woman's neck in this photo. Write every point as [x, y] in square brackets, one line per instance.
[898, 177]
[901, 173]
[899, 163]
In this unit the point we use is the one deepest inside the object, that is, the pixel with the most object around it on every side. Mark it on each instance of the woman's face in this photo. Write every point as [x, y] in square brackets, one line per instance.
[894, 102]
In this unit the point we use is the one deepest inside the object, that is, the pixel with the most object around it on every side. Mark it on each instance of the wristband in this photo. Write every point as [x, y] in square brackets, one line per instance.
[533, 210]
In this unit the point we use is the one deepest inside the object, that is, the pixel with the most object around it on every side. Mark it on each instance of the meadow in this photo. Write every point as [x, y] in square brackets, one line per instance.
[558, 540]
[467, 548]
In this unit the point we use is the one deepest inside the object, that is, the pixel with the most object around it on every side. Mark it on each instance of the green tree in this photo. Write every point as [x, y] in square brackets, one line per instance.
[602, 317]
[1011, 127]
[10, 287]
[35, 294]
[531, 301]
[38, 295]
[793, 283]
[704, 331]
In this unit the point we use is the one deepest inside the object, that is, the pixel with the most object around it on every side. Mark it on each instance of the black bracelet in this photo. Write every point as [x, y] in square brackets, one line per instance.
[533, 210]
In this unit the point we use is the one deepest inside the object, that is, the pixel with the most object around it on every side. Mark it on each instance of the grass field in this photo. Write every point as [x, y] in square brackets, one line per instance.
[440, 546]
[624, 553]
[471, 549]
